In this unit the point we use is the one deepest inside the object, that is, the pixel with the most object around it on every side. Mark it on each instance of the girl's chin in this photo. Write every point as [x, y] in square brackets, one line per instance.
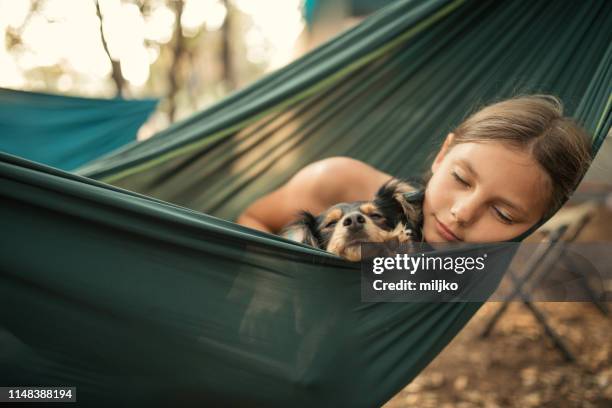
[433, 238]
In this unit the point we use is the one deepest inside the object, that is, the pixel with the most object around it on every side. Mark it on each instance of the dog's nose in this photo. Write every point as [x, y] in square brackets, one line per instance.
[354, 221]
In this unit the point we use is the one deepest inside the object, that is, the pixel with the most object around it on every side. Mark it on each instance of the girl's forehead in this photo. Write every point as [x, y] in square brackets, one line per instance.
[488, 154]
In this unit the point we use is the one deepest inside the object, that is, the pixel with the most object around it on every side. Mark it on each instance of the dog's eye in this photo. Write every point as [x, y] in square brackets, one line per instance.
[331, 224]
[375, 216]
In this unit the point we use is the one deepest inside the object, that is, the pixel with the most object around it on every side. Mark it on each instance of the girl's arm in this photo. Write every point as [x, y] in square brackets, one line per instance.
[314, 188]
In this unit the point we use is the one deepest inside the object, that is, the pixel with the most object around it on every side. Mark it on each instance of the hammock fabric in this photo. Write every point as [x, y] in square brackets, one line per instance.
[312, 9]
[135, 300]
[67, 132]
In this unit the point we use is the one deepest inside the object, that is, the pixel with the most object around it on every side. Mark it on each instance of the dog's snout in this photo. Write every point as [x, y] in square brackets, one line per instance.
[354, 221]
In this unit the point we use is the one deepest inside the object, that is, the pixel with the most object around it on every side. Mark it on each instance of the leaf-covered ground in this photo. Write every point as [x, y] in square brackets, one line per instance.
[518, 366]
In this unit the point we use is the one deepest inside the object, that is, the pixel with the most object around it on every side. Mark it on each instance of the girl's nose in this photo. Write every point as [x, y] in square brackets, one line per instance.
[464, 210]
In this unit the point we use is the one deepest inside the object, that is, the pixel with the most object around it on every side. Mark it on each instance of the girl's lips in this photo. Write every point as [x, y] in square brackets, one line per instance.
[445, 232]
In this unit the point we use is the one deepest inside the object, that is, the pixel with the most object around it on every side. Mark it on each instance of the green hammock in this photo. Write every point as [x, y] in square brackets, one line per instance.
[135, 300]
[66, 131]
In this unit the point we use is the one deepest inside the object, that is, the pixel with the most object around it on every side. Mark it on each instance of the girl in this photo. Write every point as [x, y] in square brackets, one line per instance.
[497, 175]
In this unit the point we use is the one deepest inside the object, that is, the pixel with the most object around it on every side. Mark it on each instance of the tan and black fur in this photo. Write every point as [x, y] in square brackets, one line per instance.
[343, 227]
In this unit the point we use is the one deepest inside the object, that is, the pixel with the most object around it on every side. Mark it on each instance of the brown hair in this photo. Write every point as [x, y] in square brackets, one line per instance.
[534, 123]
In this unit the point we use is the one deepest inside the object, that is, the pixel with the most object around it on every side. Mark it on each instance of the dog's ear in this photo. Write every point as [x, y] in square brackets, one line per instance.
[391, 201]
[304, 230]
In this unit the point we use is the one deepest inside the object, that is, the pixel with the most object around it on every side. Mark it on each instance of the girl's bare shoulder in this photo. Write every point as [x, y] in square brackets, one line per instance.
[341, 179]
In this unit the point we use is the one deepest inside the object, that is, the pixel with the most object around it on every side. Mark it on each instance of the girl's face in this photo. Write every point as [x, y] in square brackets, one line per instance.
[483, 192]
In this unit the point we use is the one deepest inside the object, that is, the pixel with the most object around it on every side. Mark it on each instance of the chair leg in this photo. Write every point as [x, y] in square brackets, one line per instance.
[491, 324]
[567, 354]
[601, 306]
[536, 260]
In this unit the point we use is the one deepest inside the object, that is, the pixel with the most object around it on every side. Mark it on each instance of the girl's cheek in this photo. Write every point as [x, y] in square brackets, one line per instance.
[444, 191]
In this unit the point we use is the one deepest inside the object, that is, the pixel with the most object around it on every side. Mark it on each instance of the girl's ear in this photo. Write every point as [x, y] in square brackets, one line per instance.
[443, 150]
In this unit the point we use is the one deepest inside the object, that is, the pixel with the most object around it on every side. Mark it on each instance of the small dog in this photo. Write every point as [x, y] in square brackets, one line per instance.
[343, 227]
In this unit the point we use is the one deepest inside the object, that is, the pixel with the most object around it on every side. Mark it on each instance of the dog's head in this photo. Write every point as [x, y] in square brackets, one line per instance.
[343, 227]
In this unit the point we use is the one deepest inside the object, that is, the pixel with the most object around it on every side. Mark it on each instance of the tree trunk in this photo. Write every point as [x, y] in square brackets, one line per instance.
[226, 54]
[116, 65]
[179, 48]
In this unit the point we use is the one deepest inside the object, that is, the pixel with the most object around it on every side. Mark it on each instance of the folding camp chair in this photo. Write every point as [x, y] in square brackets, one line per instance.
[575, 218]
[559, 231]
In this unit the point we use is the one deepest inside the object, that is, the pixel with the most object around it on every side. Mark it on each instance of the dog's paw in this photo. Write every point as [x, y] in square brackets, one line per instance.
[406, 235]
[401, 234]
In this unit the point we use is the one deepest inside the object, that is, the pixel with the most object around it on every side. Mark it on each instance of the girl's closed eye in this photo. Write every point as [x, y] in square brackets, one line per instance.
[504, 218]
[499, 214]
[459, 179]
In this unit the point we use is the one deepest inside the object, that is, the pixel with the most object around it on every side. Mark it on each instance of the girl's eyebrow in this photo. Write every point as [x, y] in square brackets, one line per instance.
[510, 204]
[469, 167]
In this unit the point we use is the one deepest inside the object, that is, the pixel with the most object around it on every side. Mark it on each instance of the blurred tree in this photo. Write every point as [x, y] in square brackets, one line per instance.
[116, 74]
[178, 44]
[226, 52]
[14, 34]
[189, 52]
